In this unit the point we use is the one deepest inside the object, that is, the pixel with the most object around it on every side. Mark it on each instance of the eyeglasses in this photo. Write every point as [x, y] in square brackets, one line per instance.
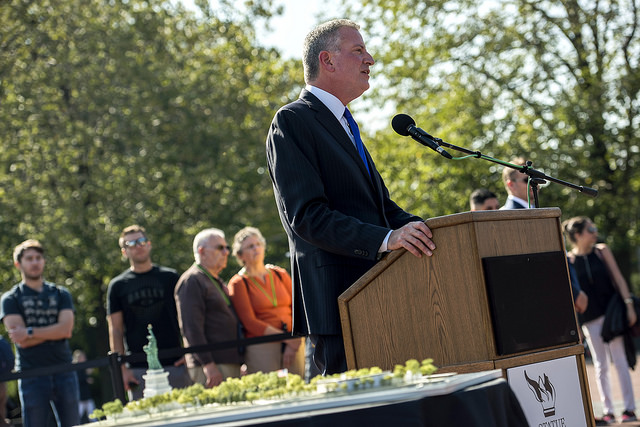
[220, 247]
[593, 229]
[141, 241]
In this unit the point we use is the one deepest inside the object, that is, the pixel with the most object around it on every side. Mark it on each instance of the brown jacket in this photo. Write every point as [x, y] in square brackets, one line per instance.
[205, 318]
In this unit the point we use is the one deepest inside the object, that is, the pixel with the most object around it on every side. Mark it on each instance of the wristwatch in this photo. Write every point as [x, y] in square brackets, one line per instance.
[30, 331]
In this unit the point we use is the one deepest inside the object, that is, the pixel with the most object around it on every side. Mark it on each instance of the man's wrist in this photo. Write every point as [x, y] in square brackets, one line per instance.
[30, 332]
[385, 243]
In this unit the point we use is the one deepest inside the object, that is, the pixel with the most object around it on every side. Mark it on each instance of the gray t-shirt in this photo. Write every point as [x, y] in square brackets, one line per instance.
[38, 309]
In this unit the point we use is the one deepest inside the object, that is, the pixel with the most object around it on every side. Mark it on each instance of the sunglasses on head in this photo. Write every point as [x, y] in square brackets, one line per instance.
[141, 241]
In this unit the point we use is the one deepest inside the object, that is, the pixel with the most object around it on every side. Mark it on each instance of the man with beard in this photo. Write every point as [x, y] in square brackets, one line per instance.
[38, 316]
[141, 296]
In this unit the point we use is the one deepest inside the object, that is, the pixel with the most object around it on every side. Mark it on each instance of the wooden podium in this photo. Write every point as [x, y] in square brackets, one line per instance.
[495, 295]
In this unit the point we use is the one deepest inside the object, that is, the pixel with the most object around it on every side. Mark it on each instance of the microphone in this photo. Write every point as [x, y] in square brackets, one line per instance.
[405, 126]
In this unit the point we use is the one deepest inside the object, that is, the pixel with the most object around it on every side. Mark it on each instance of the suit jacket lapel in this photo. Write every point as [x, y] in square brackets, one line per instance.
[333, 126]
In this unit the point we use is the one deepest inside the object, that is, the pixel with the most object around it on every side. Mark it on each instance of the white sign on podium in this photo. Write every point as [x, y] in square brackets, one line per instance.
[549, 392]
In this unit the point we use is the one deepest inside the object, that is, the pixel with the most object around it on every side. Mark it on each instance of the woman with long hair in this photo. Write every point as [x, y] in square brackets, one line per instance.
[600, 278]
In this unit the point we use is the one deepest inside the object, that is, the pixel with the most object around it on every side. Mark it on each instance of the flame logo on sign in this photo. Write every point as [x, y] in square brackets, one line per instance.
[544, 392]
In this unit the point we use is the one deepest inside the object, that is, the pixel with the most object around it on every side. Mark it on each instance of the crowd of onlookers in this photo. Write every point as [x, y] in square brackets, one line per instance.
[199, 308]
[192, 309]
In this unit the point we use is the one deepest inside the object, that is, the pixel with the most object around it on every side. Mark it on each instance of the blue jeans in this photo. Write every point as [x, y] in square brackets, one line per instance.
[39, 394]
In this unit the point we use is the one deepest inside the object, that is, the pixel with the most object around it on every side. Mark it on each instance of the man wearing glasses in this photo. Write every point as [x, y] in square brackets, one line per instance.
[516, 184]
[143, 295]
[205, 312]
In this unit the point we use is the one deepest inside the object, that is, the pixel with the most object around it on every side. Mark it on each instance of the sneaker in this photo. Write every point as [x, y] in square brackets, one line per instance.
[605, 420]
[628, 416]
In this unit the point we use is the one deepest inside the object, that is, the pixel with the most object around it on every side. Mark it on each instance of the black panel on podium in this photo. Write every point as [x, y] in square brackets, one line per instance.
[530, 301]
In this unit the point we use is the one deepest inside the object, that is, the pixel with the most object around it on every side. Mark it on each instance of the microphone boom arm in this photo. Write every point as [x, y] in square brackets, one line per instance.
[404, 125]
[536, 176]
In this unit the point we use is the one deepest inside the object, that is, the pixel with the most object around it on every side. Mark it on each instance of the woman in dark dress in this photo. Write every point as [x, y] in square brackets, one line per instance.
[600, 278]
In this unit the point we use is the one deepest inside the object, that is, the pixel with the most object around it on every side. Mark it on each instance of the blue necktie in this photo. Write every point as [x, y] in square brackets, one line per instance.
[356, 136]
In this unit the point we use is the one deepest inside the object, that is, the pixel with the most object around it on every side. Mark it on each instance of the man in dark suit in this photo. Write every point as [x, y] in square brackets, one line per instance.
[332, 201]
[515, 182]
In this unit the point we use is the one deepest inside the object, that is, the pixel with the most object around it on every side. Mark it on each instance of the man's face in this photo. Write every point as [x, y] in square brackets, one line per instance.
[490, 204]
[351, 64]
[31, 264]
[518, 186]
[214, 254]
[136, 248]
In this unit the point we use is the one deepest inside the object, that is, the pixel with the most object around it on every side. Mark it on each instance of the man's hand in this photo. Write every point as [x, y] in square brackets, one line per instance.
[128, 378]
[18, 335]
[179, 362]
[289, 356]
[213, 374]
[414, 237]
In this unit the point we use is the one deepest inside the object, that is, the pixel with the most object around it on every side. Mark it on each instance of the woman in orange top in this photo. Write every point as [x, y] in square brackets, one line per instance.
[261, 295]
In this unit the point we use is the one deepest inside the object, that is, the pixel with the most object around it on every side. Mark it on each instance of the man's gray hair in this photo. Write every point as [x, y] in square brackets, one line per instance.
[325, 36]
[202, 238]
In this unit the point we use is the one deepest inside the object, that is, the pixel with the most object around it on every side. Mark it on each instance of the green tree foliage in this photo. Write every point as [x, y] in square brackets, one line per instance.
[115, 112]
[122, 112]
[556, 82]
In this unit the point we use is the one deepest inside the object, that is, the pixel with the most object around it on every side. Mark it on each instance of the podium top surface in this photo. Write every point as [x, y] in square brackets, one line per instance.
[496, 215]
[522, 216]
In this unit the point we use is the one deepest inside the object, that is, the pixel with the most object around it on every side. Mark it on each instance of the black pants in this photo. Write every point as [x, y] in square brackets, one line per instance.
[329, 355]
